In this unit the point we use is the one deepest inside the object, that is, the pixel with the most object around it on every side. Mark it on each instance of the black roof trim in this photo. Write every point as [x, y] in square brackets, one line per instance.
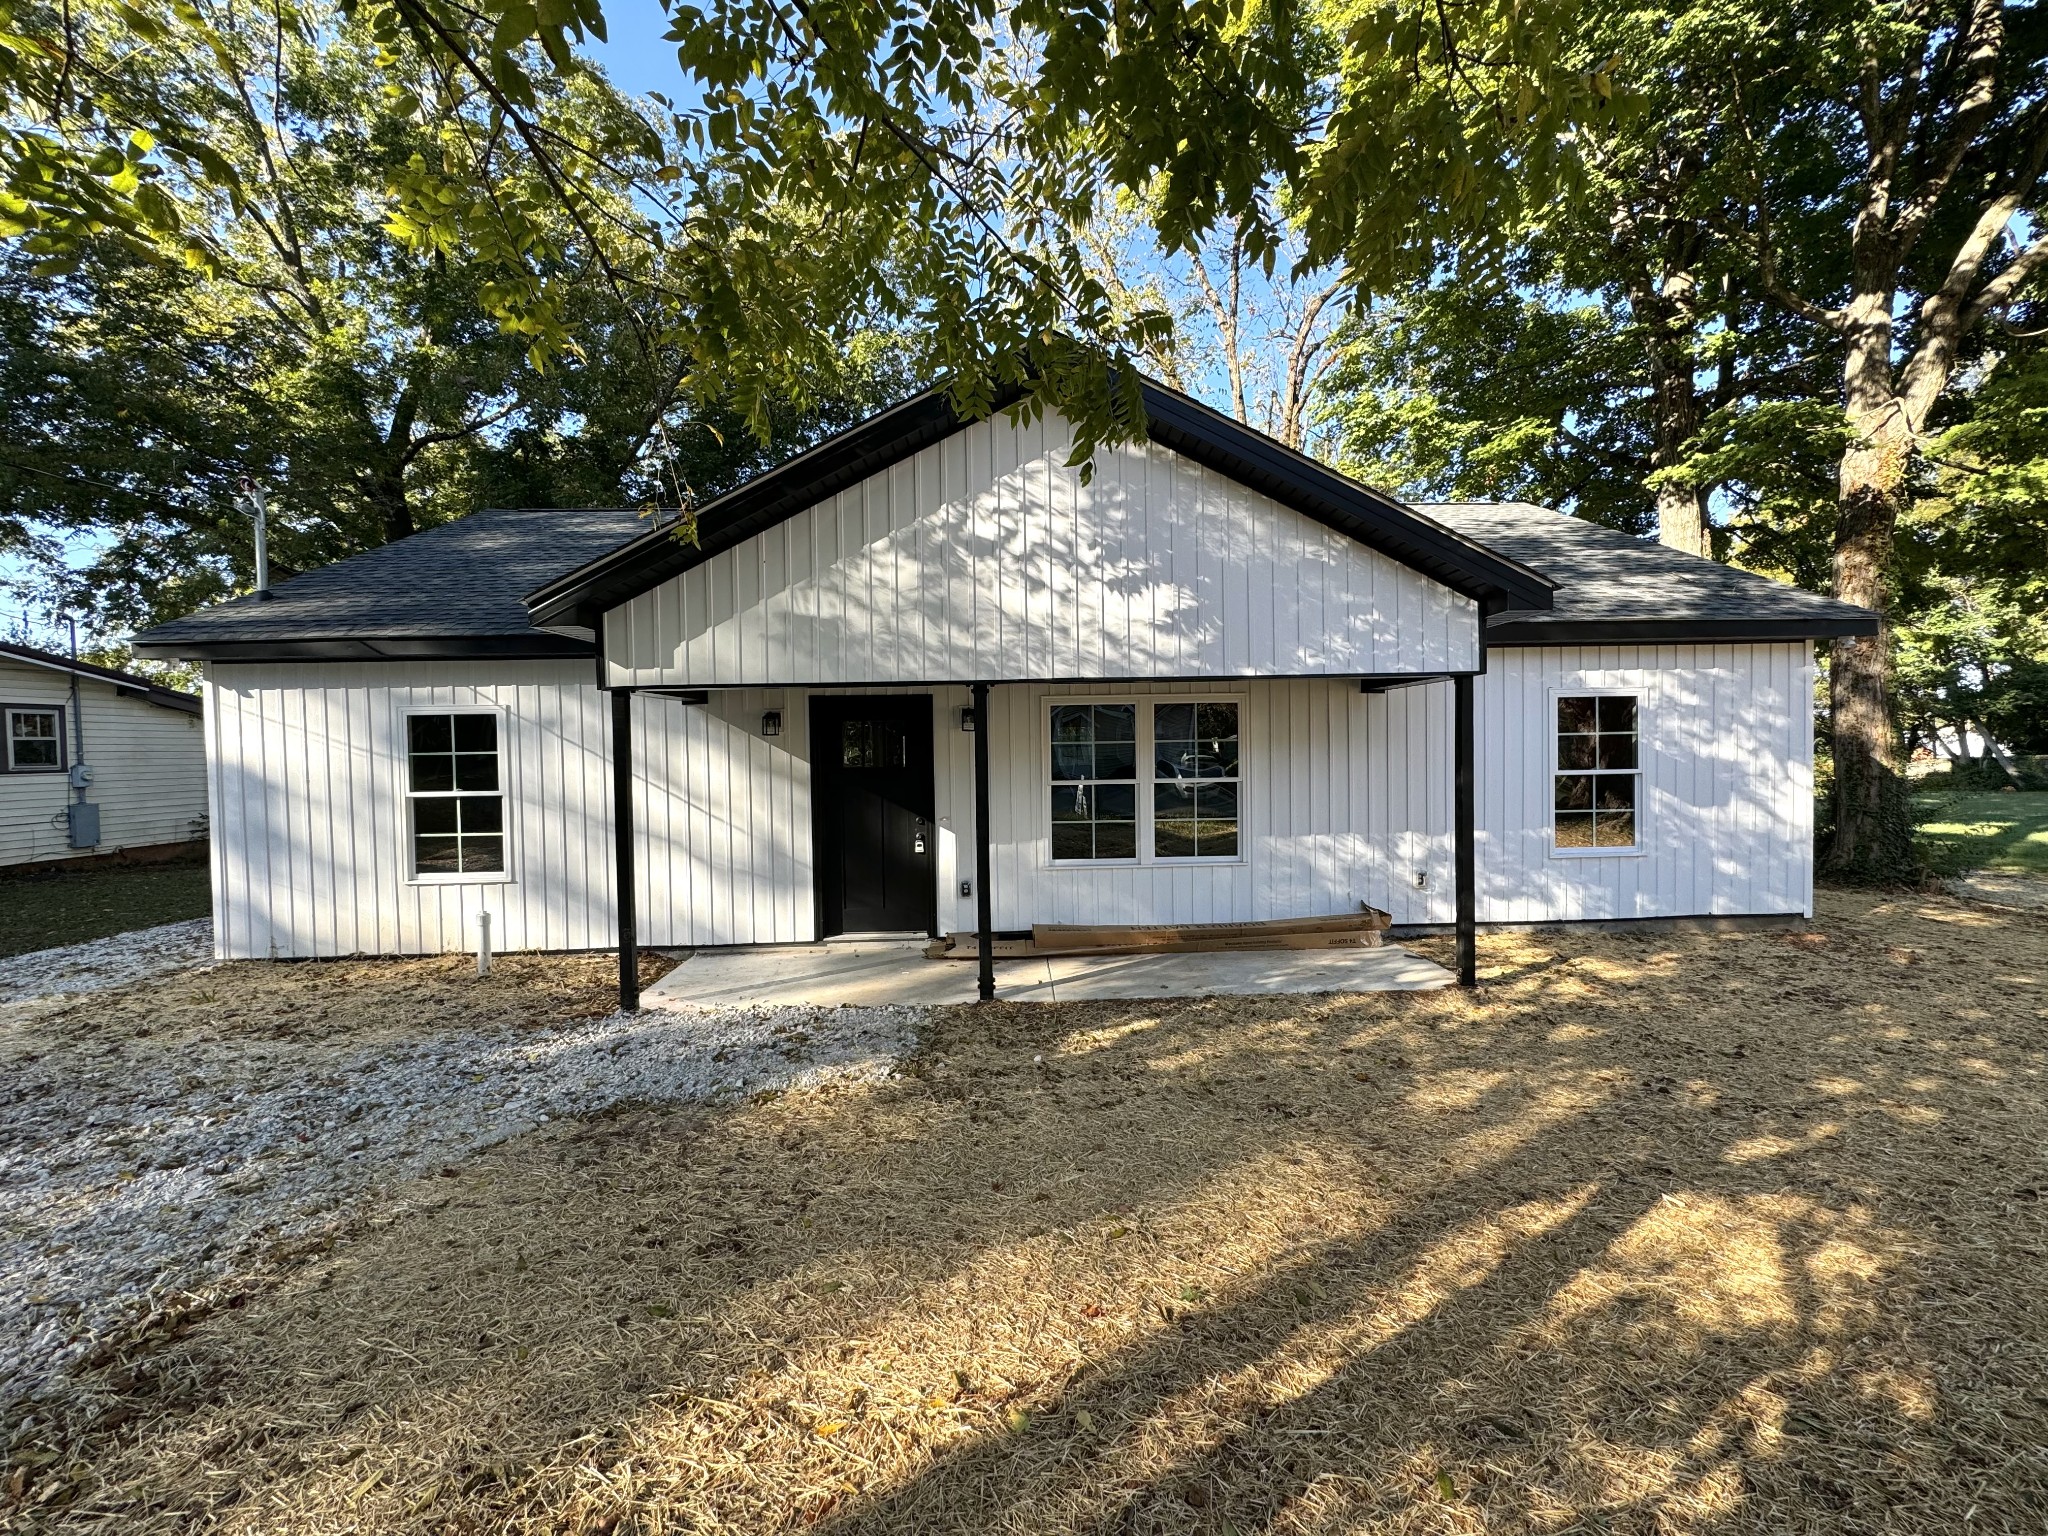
[1513, 629]
[1173, 420]
[127, 684]
[539, 646]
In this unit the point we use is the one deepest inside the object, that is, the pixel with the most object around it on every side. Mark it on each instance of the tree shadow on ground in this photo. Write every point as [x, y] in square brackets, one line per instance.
[1672, 1233]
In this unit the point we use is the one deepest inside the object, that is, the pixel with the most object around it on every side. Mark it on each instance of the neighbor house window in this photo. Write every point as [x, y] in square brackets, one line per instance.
[456, 791]
[1194, 781]
[35, 739]
[1144, 781]
[1598, 782]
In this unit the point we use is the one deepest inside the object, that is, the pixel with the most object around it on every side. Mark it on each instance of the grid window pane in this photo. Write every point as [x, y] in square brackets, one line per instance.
[1598, 755]
[476, 770]
[1116, 759]
[438, 855]
[454, 783]
[1574, 830]
[1116, 722]
[476, 733]
[483, 855]
[1116, 840]
[1617, 713]
[1073, 840]
[431, 733]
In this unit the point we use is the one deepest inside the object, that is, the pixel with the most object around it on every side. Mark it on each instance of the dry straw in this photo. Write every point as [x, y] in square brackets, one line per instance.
[1661, 1234]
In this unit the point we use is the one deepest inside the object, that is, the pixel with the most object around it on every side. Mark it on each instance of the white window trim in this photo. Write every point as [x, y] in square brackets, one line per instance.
[1641, 695]
[1146, 859]
[7, 713]
[504, 876]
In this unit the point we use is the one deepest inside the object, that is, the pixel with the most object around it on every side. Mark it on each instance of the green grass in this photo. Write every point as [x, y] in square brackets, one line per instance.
[70, 906]
[2008, 833]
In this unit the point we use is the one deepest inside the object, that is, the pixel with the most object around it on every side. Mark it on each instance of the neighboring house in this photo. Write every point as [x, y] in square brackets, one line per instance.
[1215, 682]
[132, 755]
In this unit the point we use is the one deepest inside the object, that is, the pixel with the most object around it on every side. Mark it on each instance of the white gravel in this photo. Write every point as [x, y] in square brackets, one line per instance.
[107, 963]
[128, 1172]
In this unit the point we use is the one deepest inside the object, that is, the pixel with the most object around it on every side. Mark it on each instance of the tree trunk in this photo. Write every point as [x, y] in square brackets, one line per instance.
[1667, 310]
[1873, 838]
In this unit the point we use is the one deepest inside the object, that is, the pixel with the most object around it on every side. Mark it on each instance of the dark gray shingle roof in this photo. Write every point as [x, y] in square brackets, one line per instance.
[459, 590]
[464, 581]
[1614, 587]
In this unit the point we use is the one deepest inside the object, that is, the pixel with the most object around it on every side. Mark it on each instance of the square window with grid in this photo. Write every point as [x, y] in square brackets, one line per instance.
[35, 739]
[456, 794]
[1194, 781]
[1094, 781]
[1598, 781]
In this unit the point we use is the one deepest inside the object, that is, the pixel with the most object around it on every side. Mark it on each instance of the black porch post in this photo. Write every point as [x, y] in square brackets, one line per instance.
[622, 858]
[1462, 818]
[982, 905]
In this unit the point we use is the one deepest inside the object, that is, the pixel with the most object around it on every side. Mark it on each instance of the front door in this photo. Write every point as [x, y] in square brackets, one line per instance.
[871, 771]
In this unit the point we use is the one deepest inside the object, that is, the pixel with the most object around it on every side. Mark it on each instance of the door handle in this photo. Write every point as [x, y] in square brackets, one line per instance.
[917, 840]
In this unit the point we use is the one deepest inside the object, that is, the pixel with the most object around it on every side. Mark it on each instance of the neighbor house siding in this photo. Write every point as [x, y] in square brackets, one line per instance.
[1346, 798]
[148, 763]
[985, 557]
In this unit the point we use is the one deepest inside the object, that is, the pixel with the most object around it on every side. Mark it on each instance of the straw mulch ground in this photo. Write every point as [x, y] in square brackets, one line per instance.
[1728, 1233]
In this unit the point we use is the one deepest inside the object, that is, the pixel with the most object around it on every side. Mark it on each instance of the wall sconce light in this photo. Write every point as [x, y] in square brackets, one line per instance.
[771, 722]
[967, 721]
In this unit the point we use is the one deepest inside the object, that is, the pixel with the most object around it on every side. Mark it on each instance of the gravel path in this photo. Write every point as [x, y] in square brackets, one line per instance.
[130, 1167]
[107, 963]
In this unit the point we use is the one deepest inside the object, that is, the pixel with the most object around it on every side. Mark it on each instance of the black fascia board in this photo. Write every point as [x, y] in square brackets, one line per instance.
[1517, 632]
[581, 597]
[1375, 520]
[540, 645]
[1173, 421]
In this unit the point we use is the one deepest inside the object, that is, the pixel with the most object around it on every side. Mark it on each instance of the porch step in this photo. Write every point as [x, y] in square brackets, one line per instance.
[1344, 930]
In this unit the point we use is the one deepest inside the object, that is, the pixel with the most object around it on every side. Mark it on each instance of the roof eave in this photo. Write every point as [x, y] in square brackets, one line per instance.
[536, 646]
[1514, 630]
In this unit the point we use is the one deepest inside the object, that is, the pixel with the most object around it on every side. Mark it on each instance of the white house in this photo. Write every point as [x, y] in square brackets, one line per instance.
[94, 761]
[923, 678]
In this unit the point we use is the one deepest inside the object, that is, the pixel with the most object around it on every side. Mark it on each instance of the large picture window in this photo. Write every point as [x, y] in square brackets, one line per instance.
[35, 738]
[1144, 781]
[454, 786]
[1598, 779]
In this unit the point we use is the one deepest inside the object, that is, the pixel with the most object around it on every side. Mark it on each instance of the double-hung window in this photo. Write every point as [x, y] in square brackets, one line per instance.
[35, 738]
[1144, 781]
[1597, 784]
[454, 786]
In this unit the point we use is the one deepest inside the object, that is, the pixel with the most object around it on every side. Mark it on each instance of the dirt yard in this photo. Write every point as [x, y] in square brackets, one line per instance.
[1666, 1234]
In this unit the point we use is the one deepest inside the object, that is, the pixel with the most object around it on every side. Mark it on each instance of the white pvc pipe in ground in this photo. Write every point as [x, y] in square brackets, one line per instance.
[483, 943]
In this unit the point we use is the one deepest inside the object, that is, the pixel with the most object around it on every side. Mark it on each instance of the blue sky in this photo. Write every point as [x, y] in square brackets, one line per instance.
[635, 56]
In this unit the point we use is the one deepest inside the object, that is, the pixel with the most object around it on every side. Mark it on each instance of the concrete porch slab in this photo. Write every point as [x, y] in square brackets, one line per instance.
[882, 973]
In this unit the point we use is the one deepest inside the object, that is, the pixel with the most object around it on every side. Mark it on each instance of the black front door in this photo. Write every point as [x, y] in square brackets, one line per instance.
[871, 771]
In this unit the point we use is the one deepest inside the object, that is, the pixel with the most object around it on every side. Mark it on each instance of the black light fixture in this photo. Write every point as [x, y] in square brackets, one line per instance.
[967, 721]
[771, 722]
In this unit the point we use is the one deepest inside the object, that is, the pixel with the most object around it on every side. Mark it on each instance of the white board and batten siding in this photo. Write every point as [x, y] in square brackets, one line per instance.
[148, 764]
[1345, 798]
[985, 557]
